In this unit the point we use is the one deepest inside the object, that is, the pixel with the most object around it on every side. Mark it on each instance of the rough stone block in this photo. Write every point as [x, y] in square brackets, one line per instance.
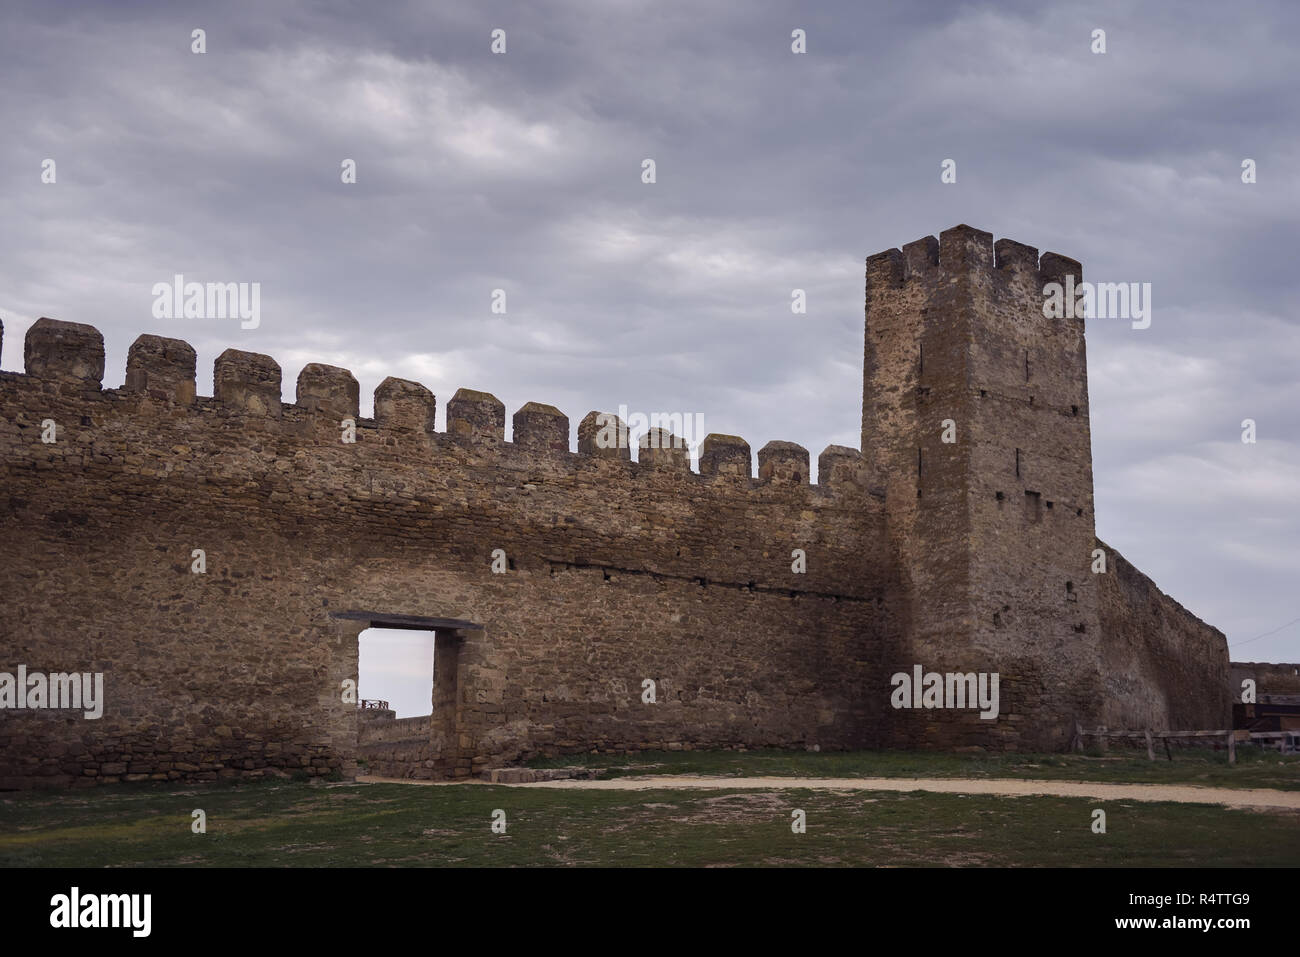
[604, 434]
[329, 390]
[68, 351]
[476, 416]
[538, 426]
[248, 381]
[783, 463]
[163, 369]
[404, 405]
[725, 455]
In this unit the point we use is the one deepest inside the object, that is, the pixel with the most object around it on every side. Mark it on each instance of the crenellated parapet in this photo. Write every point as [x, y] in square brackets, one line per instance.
[963, 253]
[161, 374]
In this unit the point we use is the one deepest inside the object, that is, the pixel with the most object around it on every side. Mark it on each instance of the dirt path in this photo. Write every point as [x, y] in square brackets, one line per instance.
[1004, 787]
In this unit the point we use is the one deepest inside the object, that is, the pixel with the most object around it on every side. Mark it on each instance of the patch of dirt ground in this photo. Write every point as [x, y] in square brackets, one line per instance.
[1178, 793]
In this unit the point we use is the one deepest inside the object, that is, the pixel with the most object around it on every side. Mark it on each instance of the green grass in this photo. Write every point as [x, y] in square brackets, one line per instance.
[1255, 768]
[297, 824]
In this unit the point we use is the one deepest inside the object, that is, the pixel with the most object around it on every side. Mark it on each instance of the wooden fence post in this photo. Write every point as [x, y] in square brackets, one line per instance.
[1232, 748]
[1151, 755]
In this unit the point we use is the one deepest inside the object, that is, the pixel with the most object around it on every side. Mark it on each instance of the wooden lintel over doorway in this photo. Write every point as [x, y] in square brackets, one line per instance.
[379, 619]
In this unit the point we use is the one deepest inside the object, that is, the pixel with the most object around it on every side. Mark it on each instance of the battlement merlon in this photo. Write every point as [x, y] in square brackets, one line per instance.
[404, 406]
[68, 357]
[725, 455]
[542, 427]
[478, 417]
[65, 352]
[248, 381]
[163, 369]
[784, 462]
[329, 390]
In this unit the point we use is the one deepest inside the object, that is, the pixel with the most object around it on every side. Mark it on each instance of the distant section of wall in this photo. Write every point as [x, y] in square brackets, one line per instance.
[1162, 667]
[397, 748]
[1282, 678]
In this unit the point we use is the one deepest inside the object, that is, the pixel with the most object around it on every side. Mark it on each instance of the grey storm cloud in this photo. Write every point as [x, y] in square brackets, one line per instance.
[775, 171]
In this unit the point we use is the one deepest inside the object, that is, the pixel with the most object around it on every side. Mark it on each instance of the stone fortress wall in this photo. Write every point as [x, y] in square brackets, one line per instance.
[917, 551]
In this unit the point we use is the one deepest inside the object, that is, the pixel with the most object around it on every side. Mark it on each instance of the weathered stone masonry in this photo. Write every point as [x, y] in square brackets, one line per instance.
[917, 552]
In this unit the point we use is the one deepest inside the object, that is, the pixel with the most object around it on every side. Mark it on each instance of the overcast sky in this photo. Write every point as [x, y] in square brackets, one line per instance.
[775, 171]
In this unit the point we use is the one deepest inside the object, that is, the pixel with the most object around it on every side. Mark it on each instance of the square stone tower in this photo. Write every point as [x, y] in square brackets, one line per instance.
[975, 423]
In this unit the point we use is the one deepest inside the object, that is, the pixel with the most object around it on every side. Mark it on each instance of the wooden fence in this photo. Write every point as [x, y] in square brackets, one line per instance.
[1230, 738]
